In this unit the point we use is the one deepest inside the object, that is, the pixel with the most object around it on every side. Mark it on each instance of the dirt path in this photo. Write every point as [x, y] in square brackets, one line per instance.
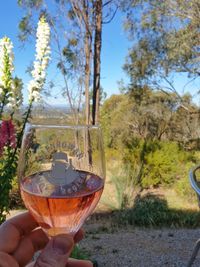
[142, 248]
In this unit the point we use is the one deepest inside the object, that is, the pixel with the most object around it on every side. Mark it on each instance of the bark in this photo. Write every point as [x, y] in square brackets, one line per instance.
[87, 77]
[81, 9]
[88, 55]
[97, 61]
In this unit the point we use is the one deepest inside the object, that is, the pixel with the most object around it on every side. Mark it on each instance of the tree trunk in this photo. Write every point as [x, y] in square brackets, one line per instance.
[87, 48]
[87, 81]
[88, 54]
[97, 61]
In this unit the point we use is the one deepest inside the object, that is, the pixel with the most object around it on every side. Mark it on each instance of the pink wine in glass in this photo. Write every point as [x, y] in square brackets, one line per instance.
[60, 208]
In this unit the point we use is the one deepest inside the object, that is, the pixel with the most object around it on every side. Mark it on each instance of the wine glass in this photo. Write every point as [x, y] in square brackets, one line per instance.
[61, 175]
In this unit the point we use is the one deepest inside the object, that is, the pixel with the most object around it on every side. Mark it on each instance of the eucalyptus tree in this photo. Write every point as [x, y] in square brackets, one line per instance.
[165, 43]
[77, 27]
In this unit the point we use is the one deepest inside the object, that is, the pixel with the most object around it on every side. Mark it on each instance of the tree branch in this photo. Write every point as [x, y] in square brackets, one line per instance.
[112, 17]
[81, 14]
[107, 3]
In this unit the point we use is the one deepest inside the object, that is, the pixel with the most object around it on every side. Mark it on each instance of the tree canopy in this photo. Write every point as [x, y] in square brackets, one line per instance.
[165, 36]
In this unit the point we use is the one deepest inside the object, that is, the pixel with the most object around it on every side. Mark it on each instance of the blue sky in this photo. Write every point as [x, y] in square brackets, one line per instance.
[114, 47]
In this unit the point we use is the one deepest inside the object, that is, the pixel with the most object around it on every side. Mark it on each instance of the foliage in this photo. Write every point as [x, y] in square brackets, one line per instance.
[79, 253]
[153, 134]
[149, 210]
[148, 114]
[160, 163]
[182, 185]
[8, 143]
[8, 164]
[112, 155]
[113, 114]
[123, 190]
[153, 128]
[15, 200]
[11, 128]
[68, 46]
[153, 211]
[166, 165]
[77, 49]
[165, 43]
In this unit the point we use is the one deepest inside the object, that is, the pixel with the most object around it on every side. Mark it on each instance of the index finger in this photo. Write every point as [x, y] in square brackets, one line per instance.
[12, 230]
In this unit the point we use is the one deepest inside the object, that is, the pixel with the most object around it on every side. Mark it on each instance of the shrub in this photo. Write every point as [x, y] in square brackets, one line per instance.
[15, 200]
[182, 186]
[79, 253]
[153, 211]
[123, 190]
[156, 163]
[148, 211]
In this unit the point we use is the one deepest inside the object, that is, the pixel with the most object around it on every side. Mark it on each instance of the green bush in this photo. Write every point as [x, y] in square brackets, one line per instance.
[124, 189]
[148, 211]
[153, 211]
[182, 186]
[163, 165]
[112, 155]
[15, 200]
[79, 253]
[8, 165]
[155, 163]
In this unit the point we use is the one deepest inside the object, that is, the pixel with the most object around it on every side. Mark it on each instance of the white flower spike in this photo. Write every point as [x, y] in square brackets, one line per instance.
[42, 58]
[6, 64]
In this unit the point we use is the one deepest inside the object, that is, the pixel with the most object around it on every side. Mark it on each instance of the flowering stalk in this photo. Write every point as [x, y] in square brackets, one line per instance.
[7, 135]
[6, 69]
[15, 98]
[41, 60]
[40, 65]
[9, 146]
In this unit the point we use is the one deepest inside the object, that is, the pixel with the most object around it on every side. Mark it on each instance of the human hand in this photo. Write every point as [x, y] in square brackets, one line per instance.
[20, 238]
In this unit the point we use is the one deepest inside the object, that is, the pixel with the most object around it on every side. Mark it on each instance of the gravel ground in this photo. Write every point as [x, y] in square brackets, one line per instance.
[142, 248]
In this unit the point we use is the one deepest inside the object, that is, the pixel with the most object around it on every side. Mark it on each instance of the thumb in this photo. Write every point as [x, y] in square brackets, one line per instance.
[56, 253]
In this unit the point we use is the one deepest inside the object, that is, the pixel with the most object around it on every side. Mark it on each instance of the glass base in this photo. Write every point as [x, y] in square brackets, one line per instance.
[59, 231]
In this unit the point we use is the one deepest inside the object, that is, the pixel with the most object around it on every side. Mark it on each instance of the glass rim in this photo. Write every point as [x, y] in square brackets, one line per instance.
[62, 126]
